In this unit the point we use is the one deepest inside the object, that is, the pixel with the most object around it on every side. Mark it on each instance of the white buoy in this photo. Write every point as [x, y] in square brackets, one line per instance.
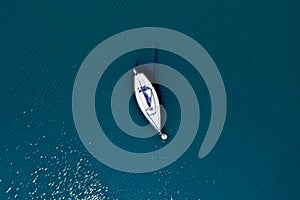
[164, 136]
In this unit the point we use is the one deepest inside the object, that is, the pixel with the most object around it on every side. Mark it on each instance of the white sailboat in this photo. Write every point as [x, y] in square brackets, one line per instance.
[147, 100]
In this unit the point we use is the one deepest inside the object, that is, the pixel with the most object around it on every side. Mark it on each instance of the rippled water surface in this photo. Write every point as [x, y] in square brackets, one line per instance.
[255, 45]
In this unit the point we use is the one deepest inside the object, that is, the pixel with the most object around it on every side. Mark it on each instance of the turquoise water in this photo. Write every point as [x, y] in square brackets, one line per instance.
[256, 48]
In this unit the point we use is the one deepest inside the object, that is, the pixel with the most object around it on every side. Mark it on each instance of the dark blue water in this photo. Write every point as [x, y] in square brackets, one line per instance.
[256, 48]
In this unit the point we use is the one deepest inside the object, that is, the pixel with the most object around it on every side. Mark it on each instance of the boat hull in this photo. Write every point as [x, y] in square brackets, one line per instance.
[147, 100]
